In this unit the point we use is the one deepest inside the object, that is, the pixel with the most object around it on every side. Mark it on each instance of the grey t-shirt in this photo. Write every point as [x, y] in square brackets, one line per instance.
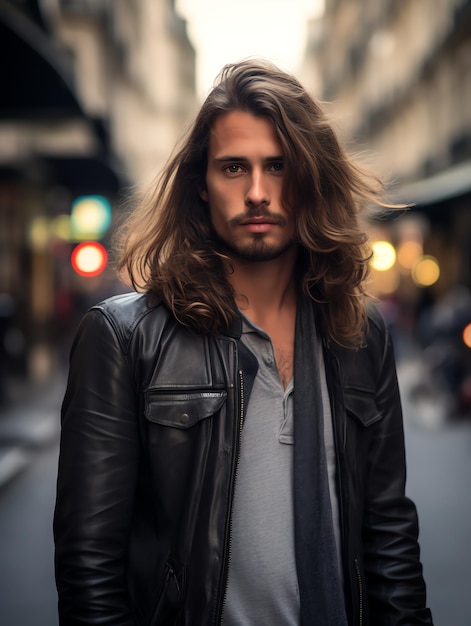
[262, 583]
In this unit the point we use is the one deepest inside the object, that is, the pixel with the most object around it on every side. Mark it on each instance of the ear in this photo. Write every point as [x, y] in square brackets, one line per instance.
[203, 195]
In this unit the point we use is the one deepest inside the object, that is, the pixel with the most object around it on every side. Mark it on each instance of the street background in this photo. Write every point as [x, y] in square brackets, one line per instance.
[94, 96]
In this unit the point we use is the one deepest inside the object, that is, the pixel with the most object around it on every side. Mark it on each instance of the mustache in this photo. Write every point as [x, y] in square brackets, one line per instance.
[258, 212]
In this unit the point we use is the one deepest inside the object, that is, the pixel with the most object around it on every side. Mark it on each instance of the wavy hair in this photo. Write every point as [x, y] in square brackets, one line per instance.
[165, 246]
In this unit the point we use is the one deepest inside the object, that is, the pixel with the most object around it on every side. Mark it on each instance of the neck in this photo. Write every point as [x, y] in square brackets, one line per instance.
[265, 290]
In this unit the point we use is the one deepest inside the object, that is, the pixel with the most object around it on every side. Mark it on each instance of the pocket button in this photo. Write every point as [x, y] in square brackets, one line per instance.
[184, 417]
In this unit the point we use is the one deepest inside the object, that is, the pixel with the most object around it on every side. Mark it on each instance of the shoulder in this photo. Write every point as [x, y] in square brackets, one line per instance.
[375, 318]
[363, 366]
[126, 312]
[127, 309]
[377, 332]
[377, 337]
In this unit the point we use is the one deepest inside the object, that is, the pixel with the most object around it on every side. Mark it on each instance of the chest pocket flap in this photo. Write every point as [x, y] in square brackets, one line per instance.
[182, 409]
[361, 404]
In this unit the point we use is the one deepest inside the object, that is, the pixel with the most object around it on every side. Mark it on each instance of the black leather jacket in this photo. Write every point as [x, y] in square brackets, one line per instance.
[150, 434]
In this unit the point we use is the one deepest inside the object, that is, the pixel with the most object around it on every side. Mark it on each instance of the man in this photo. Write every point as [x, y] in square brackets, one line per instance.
[232, 443]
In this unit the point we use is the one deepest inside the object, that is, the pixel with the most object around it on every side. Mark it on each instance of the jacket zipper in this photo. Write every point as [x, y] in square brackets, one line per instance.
[360, 590]
[229, 540]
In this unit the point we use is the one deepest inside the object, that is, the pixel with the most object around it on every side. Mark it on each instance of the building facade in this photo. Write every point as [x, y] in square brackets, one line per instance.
[95, 95]
[397, 76]
[135, 67]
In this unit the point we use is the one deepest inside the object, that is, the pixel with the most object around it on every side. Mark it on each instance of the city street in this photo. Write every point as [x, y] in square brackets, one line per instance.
[439, 467]
[439, 462]
[28, 464]
[27, 590]
[213, 160]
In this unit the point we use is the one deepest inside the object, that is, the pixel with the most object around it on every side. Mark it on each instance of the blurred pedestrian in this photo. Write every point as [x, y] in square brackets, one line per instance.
[232, 442]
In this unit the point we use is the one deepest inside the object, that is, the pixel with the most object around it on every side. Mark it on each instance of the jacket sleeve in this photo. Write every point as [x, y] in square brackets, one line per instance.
[396, 589]
[96, 479]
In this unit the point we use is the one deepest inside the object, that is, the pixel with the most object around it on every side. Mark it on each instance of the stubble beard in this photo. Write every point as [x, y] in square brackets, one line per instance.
[255, 251]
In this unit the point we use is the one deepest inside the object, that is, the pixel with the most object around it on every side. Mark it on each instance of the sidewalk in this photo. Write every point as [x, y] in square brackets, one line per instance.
[29, 422]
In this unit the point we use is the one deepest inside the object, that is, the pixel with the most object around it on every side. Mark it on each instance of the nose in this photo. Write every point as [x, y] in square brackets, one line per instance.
[258, 190]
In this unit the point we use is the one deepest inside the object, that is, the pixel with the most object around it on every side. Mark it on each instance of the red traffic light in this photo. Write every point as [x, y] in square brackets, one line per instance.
[89, 258]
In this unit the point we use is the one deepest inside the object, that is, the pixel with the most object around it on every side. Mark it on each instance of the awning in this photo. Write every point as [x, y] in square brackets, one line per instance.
[85, 175]
[452, 182]
[37, 84]
[36, 78]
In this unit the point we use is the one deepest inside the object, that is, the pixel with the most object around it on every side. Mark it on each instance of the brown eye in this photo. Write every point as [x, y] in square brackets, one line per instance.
[277, 166]
[233, 168]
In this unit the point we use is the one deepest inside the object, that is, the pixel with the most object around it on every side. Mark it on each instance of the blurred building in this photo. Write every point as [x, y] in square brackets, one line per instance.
[398, 75]
[94, 95]
[134, 68]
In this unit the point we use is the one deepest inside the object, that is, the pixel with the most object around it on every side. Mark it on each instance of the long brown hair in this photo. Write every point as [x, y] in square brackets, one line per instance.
[166, 247]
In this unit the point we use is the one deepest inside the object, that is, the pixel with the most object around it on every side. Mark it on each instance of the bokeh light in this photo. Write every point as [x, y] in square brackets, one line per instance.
[426, 271]
[60, 227]
[89, 258]
[384, 255]
[408, 253]
[467, 335]
[39, 233]
[90, 217]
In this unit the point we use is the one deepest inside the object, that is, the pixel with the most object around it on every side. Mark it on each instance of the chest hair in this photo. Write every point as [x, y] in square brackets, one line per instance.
[284, 363]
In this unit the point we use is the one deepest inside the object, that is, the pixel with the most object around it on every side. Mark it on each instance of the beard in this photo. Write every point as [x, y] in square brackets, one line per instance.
[258, 250]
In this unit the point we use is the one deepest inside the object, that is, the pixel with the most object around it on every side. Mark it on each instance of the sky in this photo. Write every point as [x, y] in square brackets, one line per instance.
[225, 32]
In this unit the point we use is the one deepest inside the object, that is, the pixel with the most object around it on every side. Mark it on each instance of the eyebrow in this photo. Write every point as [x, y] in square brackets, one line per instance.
[229, 159]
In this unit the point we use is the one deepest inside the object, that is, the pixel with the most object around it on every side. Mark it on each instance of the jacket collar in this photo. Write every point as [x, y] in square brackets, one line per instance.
[235, 329]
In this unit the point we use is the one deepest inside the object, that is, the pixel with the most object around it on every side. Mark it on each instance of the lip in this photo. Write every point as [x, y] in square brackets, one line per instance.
[260, 219]
[258, 227]
[258, 223]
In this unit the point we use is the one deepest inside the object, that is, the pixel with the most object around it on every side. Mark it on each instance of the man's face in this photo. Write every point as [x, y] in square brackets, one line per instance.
[243, 188]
